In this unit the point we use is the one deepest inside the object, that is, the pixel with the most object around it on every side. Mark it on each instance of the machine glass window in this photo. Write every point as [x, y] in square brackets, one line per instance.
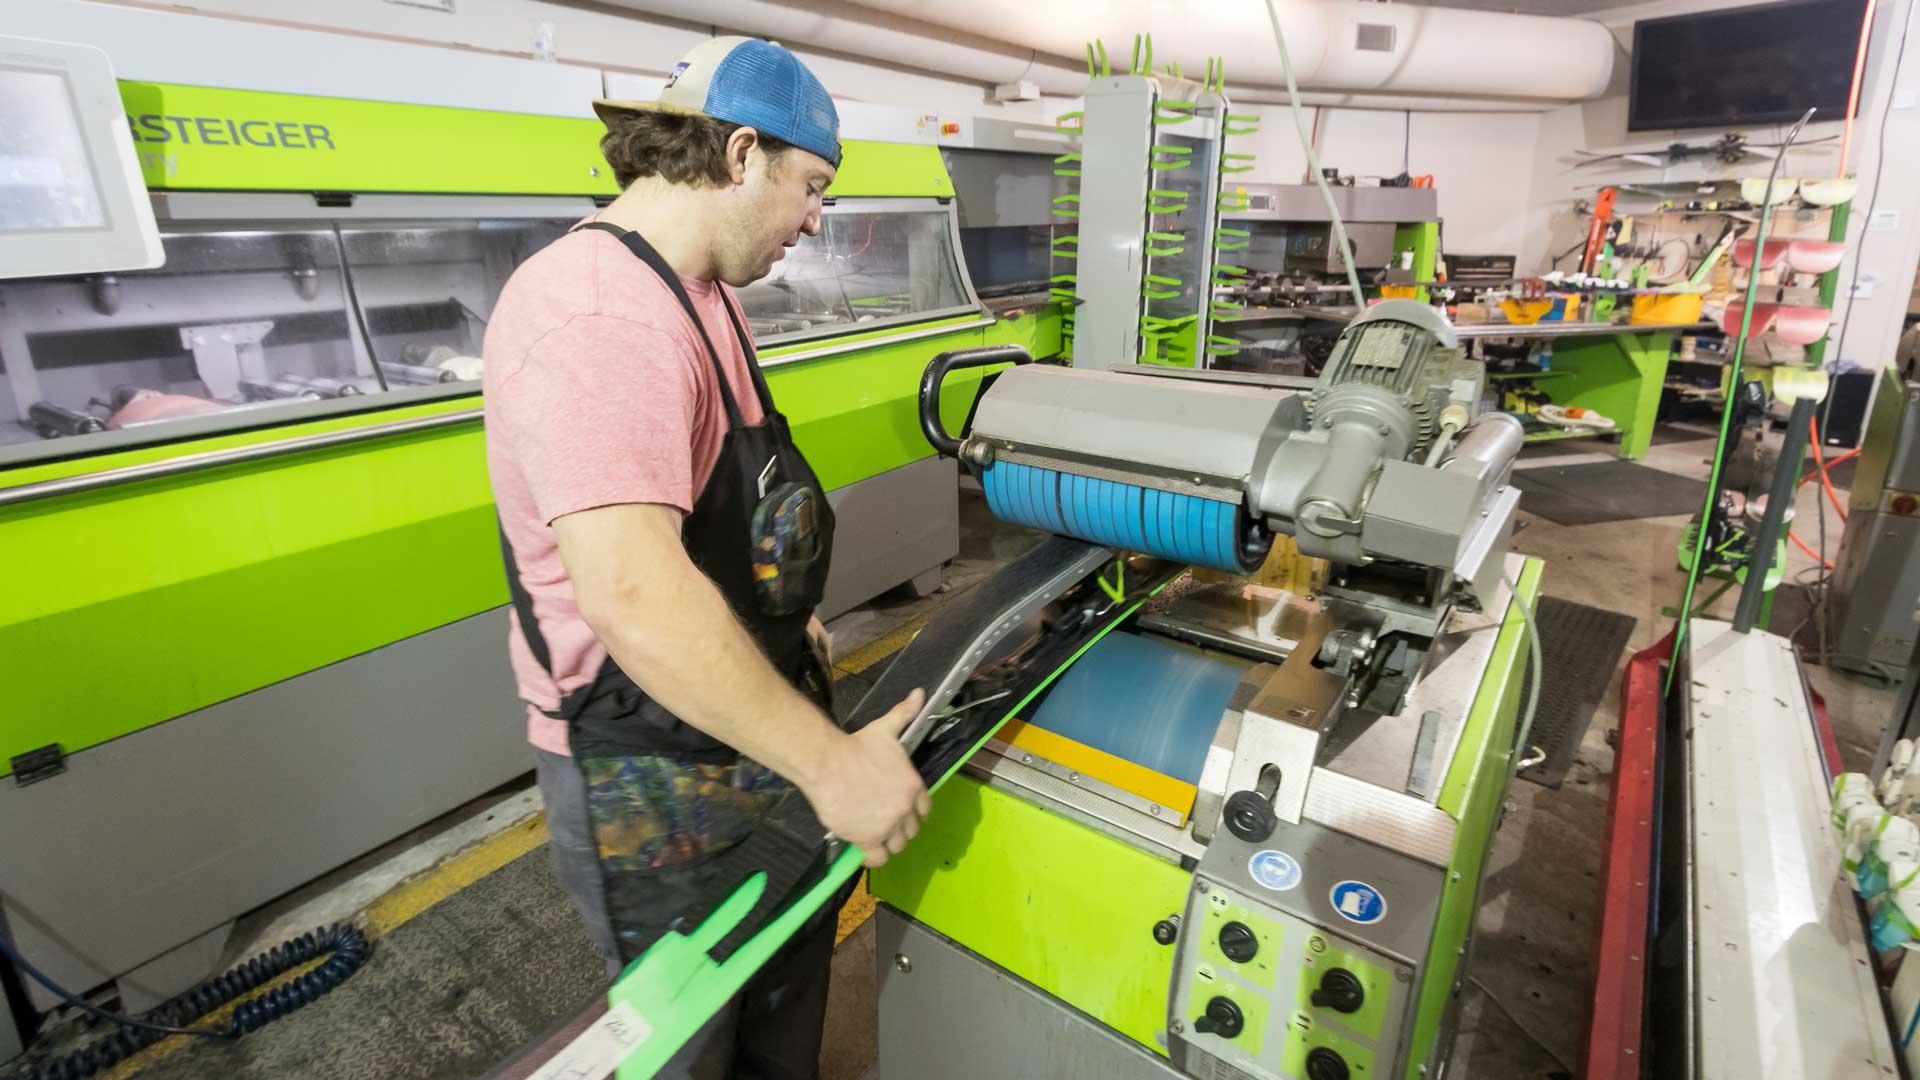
[235, 319]
[864, 267]
[427, 290]
[250, 318]
[46, 181]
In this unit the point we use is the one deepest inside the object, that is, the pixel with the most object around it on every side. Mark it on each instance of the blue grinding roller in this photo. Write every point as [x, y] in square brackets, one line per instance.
[1149, 701]
[1184, 528]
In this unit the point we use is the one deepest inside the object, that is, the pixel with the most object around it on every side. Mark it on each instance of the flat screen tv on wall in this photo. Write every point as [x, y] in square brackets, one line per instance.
[1753, 65]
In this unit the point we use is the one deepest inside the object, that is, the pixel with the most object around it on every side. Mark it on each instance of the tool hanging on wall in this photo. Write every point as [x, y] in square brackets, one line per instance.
[1597, 231]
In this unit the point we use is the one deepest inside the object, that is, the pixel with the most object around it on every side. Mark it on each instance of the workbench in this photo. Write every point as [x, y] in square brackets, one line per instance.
[1615, 369]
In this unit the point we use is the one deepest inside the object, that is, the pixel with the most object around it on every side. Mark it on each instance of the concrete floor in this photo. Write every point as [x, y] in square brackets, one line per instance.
[1537, 924]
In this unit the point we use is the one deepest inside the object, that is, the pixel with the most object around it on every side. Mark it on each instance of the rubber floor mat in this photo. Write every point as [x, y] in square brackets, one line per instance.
[1593, 492]
[445, 996]
[1668, 434]
[1580, 651]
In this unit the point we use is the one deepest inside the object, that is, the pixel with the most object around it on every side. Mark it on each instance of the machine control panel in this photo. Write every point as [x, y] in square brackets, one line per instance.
[1261, 993]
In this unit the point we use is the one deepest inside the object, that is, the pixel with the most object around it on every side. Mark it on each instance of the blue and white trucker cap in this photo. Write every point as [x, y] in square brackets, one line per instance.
[752, 83]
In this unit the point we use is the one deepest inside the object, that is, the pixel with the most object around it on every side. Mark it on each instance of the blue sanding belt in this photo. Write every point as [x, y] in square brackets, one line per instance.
[1183, 528]
[1149, 701]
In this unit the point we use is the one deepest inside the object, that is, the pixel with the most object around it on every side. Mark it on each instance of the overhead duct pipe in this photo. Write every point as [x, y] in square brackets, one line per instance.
[1345, 45]
[1438, 60]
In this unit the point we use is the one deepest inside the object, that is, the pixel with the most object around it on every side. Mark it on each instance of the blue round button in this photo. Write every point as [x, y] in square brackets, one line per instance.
[1274, 870]
[1358, 902]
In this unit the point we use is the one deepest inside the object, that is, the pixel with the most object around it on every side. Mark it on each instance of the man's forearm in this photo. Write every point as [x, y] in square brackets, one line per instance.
[680, 642]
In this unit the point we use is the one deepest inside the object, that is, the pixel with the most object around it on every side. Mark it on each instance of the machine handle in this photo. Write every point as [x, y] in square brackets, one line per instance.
[944, 444]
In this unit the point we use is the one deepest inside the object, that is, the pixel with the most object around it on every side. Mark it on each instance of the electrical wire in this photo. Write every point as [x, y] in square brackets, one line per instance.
[68, 996]
[1533, 692]
[1853, 93]
[1313, 159]
[1821, 467]
[345, 947]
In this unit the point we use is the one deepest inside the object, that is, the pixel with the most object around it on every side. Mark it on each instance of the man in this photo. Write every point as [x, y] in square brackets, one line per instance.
[667, 543]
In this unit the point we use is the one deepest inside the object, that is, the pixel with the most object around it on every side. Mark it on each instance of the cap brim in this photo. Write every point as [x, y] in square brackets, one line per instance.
[606, 109]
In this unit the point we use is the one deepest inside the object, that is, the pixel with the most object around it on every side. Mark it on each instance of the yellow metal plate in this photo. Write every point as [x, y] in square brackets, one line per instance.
[1138, 780]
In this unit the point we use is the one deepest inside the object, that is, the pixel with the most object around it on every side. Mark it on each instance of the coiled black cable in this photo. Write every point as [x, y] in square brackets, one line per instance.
[347, 944]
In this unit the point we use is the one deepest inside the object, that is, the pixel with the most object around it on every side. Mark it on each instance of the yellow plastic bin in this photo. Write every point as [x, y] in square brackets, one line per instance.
[1560, 307]
[1667, 307]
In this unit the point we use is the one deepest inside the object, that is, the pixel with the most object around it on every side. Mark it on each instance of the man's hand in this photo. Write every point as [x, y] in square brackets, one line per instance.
[822, 644]
[866, 790]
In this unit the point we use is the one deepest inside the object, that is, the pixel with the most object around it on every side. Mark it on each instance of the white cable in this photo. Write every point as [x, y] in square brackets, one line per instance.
[1313, 159]
[1533, 693]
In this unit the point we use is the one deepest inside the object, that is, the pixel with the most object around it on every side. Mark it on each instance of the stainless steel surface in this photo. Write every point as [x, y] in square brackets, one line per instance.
[1092, 809]
[1254, 621]
[946, 1013]
[1784, 982]
[1172, 815]
[257, 794]
[1285, 723]
[1210, 794]
[1455, 666]
[1392, 819]
[889, 529]
[1307, 935]
[212, 459]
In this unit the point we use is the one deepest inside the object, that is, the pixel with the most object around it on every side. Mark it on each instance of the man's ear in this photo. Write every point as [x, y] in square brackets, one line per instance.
[740, 146]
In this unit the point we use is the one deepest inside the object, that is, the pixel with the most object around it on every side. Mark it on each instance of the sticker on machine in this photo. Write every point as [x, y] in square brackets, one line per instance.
[1274, 870]
[1358, 902]
[599, 1050]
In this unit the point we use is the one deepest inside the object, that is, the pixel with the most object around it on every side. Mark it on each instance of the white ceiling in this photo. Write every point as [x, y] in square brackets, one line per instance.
[1525, 7]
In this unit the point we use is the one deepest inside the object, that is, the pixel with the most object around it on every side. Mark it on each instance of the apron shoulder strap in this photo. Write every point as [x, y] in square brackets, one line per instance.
[760, 390]
[523, 607]
[645, 253]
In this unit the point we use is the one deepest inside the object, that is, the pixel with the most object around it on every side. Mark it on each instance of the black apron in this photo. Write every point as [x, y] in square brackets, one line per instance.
[680, 818]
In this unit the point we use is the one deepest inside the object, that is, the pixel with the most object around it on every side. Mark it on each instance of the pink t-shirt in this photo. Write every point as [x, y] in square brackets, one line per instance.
[598, 391]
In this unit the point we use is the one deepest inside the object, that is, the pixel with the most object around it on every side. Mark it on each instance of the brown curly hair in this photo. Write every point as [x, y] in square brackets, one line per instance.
[679, 148]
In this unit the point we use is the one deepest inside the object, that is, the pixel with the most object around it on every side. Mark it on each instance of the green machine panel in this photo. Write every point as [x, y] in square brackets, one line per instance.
[1070, 910]
[1057, 904]
[203, 138]
[154, 597]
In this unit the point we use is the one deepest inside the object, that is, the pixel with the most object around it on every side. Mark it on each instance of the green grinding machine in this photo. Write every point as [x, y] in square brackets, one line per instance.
[1241, 835]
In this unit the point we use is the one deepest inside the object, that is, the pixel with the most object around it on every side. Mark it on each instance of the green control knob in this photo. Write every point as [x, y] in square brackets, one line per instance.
[1237, 942]
[1340, 991]
[1325, 1064]
[1223, 1019]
